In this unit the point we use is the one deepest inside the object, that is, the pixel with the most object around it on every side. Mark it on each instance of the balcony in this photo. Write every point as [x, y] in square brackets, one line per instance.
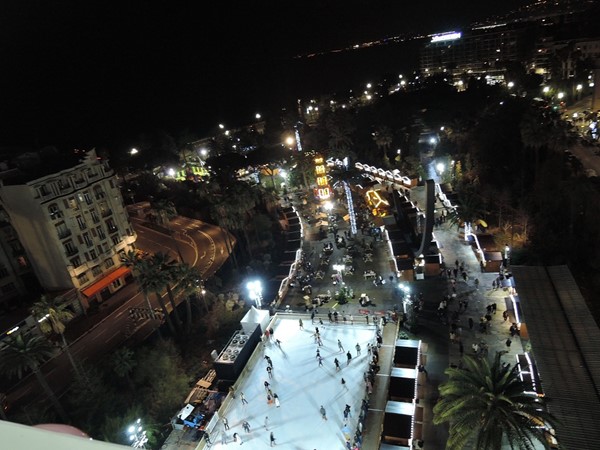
[112, 229]
[106, 212]
[80, 180]
[62, 234]
[72, 251]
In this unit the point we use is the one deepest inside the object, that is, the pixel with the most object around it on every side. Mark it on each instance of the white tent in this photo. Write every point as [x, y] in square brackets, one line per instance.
[253, 318]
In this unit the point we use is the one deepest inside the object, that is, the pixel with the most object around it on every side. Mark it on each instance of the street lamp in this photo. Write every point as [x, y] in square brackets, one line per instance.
[133, 151]
[339, 268]
[560, 95]
[257, 116]
[255, 292]
[440, 167]
[137, 434]
[579, 87]
[510, 84]
[290, 141]
[221, 126]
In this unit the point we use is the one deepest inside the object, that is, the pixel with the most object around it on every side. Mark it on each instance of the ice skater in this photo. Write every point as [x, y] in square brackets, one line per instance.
[344, 384]
[357, 349]
[348, 357]
[337, 365]
[225, 423]
[276, 398]
[320, 359]
[272, 439]
[246, 426]
[340, 346]
[244, 401]
[323, 412]
[237, 437]
[267, 423]
[301, 324]
[270, 372]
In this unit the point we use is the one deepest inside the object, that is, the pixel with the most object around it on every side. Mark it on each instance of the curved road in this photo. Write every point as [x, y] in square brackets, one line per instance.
[200, 244]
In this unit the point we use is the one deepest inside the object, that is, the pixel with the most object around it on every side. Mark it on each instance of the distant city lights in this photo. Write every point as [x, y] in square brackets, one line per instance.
[450, 36]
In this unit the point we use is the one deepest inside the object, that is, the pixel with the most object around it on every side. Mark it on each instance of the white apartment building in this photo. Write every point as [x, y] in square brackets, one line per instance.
[72, 224]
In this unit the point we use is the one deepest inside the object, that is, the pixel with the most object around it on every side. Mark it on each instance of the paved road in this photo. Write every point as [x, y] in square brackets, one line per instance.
[201, 245]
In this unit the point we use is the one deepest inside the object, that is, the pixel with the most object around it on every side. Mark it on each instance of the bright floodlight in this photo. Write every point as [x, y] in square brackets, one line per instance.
[257, 116]
[328, 206]
[283, 173]
[289, 140]
[560, 95]
[432, 140]
[440, 167]
[254, 288]
[221, 126]
[510, 84]
[133, 151]
[546, 89]
[579, 87]
[203, 152]
[369, 97]
[171, 172]
[368, 85]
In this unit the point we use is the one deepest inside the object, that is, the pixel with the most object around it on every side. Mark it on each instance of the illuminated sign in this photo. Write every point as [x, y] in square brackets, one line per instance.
[375, 199]
[451, 36]
[323, 193]
[322, 181]
[319, 160]
[320, 170]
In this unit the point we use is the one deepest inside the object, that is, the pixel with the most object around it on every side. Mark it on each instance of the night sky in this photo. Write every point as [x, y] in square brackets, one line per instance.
[85, 73]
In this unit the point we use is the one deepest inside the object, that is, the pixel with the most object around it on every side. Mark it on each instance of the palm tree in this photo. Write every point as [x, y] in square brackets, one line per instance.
[383, 138]
[190, 282]
[122, 363]
[149, 282]
[166, 275]
[488, 403]
[28, 352]
[52, 317]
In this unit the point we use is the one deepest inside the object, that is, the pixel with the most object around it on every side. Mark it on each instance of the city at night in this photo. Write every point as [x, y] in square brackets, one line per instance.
[320, 225]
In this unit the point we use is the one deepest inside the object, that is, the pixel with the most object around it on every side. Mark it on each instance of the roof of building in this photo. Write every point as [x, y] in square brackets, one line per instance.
[29, 166]
[564, 339]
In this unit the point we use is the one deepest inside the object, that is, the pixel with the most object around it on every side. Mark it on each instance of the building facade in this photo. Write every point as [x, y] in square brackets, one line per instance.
[73, 225]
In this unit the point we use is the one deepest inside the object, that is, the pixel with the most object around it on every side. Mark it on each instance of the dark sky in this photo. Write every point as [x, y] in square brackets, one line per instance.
[83, 72]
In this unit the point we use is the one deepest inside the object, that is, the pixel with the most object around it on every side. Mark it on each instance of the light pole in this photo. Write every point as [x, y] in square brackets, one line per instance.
[137, 434]
[340, 268]
[255, 292]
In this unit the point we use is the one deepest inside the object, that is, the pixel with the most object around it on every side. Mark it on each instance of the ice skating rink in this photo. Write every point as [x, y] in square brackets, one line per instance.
[302, 387]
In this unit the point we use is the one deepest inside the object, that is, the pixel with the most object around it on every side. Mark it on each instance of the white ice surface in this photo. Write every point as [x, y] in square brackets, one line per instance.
[302, 387]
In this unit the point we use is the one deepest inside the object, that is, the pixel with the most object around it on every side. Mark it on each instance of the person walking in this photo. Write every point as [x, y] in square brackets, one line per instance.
[301, 324]
[323, 412]
[357, 349]
[340, 346]
[272, 439]
[508, 342]
[225, 423]
[244, 401]
[246, 426]
[348, 357]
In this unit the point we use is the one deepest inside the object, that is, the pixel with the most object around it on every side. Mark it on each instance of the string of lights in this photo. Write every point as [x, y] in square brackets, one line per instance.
[350, 208]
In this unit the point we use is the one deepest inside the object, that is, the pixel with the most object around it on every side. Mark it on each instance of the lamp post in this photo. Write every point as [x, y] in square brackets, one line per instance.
[255, 292]
[137, 434]
[339, 268]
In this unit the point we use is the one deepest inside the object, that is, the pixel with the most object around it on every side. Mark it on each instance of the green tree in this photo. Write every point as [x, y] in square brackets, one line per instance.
[27, 352]
[166, 275]
[122, 363]
[52, 317]
[150, 283]
[383, 137]
[190, 282]
[488, 403]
